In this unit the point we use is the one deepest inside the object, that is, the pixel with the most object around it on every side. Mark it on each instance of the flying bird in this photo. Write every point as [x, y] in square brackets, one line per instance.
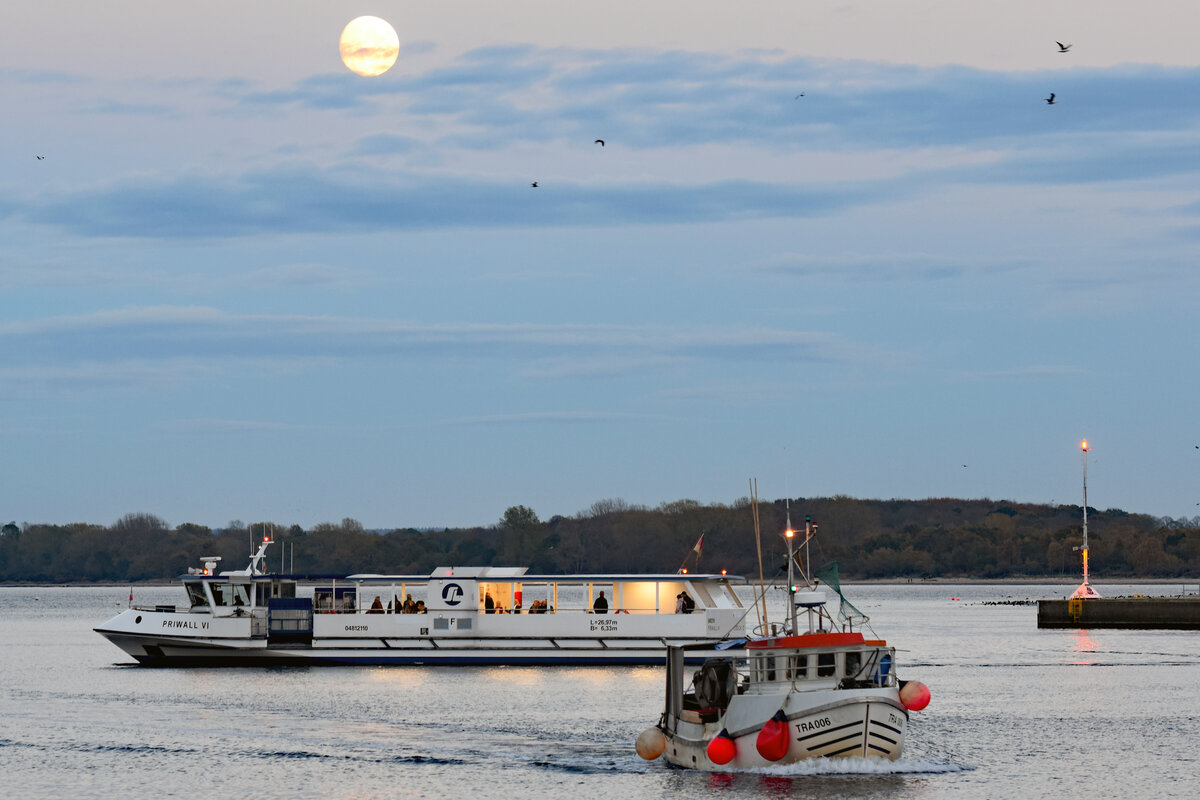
[41, 158]
[1062, 48]
[1050, 99]
[800, 95]
[534, 184]
[600, 142]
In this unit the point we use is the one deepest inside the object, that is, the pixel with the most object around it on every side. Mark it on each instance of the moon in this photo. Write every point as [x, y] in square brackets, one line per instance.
[369, 46]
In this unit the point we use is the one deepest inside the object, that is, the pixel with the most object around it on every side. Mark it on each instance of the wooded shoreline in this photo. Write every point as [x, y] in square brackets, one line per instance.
[945, 539]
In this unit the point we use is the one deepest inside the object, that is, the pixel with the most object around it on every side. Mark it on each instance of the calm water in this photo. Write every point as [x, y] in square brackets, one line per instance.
[1016, 713]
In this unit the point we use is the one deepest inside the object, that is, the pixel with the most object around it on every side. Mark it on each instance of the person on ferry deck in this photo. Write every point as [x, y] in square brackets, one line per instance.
[601, 604]
[489, 605]
[409, 606]
[376, 607]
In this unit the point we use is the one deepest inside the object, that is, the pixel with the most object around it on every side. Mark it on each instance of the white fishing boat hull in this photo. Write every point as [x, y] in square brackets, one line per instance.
[832, 724]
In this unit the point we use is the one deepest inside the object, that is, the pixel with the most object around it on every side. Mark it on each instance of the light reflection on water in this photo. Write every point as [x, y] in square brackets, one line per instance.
[1016, 712]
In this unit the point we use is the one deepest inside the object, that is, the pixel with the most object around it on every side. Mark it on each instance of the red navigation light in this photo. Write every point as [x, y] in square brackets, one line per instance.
[723, 572]
[684, 571]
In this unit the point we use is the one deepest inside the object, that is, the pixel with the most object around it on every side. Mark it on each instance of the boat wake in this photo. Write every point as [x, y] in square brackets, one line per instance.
[859, 765]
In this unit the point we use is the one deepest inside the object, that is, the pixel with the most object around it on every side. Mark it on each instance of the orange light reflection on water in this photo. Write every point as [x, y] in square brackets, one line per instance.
[1082, 646]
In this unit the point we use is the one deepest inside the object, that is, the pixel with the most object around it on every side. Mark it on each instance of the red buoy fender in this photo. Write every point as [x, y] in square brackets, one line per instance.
[774, 738]
[722, 748]
[914, 695]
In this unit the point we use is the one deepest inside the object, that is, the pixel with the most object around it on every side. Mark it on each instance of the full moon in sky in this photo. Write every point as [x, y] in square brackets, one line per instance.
[369, 46]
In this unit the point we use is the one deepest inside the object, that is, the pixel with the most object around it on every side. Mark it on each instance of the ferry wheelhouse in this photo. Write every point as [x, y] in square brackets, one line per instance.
[456, 615]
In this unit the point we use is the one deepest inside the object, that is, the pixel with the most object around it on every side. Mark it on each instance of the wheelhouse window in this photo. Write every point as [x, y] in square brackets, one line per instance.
[826, 665]
[797, 668]
[231, 594]
[196, 594]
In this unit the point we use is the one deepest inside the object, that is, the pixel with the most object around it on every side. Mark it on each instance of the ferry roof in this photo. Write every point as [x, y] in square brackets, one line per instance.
[486, 574]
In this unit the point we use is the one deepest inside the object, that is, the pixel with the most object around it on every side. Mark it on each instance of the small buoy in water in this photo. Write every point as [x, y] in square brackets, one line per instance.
[773, 739]
[722, 748]
[914, 695]
[651, 743]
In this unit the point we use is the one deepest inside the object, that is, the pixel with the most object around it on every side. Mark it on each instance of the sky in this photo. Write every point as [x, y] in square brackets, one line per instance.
[841, 248]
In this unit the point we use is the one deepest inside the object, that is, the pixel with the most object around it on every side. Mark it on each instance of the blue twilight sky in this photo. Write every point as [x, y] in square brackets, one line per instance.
[246, 283]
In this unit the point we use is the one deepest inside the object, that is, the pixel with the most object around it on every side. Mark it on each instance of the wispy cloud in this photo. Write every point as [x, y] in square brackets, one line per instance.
[295, 200]
[886, 268]
[166, 334]
[538, 417]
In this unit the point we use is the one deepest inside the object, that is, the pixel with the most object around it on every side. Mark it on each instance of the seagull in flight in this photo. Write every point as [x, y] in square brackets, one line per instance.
[600, 142]
[534, 184]
[1050, 99]
[800, 95]
[41, 158]
[1062, 48]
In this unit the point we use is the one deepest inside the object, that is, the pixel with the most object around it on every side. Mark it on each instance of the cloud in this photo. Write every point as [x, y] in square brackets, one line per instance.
[538, 417]
[886, 268]
[305, 200]
[207, 335]
[219, 427]
[672, 98]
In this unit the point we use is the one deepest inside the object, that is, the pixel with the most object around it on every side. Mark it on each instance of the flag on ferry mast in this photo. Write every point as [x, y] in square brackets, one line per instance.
[699, 546]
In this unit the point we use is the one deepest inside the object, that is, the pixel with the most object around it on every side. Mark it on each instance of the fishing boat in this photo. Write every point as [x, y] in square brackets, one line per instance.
[810, 686]
[455, 615]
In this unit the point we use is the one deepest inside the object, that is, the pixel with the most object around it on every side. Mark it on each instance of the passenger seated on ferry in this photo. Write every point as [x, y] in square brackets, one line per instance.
[420, 607]
[684, 604]
[516, 608]
[376, 607]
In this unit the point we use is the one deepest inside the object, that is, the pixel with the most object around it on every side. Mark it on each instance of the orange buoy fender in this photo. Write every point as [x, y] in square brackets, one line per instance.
[651, 743]
[722, 748]
[914, 695]
[774, 738]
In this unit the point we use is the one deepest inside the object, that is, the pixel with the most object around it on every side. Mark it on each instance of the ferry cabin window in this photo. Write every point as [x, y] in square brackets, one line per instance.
[196, 594]
[826, 665]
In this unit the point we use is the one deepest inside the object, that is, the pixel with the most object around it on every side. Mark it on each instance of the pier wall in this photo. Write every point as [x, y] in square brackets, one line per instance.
[1182, 613]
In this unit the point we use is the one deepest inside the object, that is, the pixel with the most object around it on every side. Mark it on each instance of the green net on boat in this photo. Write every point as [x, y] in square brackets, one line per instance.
[847, 613]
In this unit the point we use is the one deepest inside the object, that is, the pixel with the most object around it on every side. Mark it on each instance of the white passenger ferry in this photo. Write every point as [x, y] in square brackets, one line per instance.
[456, 615]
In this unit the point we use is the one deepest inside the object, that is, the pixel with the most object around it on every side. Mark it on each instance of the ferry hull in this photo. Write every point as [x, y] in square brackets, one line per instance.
[240, 649]
[869, 723]
[195, 654]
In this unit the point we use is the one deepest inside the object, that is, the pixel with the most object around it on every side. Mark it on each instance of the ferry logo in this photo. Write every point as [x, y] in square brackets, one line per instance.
[452, 593]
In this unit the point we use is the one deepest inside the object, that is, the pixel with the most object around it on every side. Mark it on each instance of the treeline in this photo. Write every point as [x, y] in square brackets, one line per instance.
[945, 538]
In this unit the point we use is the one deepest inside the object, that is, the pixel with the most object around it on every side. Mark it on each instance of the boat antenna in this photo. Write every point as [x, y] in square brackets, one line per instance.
[762, 619]
[790, 535]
